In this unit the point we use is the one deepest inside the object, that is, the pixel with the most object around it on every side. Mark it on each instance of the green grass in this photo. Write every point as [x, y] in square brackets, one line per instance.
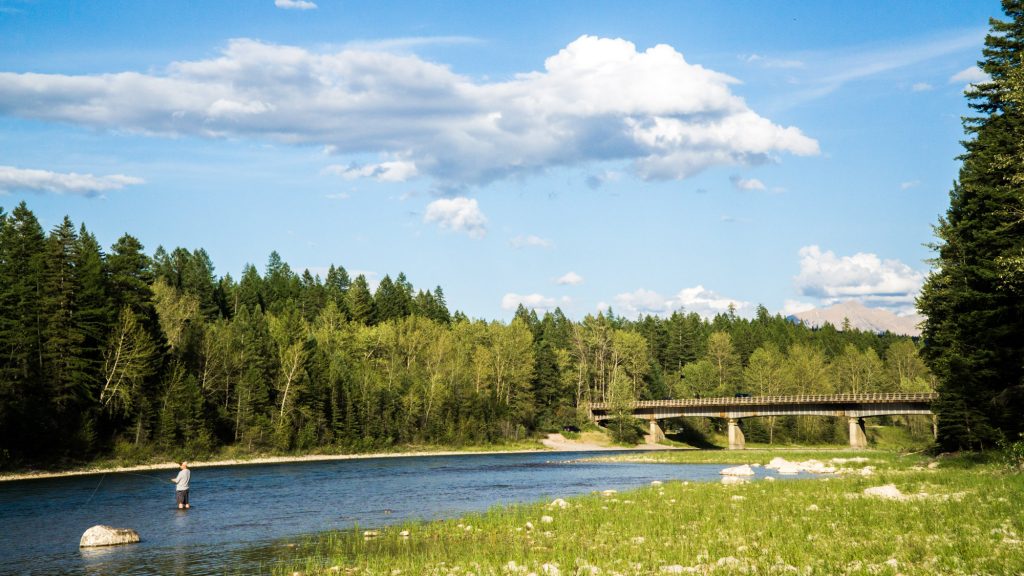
[970, 522]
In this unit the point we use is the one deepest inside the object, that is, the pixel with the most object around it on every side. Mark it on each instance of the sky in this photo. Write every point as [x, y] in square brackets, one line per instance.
[581, 155]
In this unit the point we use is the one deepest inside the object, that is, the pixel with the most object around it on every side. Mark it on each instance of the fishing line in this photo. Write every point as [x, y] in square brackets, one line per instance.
[94, 490]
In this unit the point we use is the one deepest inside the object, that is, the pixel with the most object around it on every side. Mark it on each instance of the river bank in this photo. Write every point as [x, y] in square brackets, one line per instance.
[912, 515]
[589, 442]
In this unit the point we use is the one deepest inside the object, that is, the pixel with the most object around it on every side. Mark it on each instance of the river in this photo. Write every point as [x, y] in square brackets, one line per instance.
[244, 516]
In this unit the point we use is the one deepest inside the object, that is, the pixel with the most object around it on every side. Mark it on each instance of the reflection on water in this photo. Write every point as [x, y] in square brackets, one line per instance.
[241, 514]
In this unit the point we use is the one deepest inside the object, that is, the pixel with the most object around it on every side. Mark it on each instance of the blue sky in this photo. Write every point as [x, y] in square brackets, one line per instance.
[573, 154]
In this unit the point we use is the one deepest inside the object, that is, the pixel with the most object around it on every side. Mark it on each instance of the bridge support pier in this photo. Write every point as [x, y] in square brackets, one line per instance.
[657, 434]
[736, 439]
[858, 439]
[935, 426]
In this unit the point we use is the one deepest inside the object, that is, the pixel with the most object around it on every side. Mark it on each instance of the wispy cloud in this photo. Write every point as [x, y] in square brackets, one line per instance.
[24, 179]
[969, 76]
[529, 241]
[770, 62]
[295, 4]
[390, 171]
[921, 87]
[596, 100]
[909, 184]
[458, 215]
[410, 43]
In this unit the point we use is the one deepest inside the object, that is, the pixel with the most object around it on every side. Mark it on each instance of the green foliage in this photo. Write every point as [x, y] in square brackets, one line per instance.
[1014, 453]
[138, 356]
[975, 317]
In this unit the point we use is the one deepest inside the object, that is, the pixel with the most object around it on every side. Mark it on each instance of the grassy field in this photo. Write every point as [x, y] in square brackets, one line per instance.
[963, 516]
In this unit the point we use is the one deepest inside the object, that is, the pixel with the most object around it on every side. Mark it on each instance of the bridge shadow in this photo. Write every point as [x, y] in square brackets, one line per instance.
[686, 433]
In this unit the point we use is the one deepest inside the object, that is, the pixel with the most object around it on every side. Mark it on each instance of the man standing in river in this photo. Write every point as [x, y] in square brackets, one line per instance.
[181, 488]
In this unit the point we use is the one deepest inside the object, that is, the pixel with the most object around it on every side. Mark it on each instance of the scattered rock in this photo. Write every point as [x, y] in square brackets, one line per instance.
[770, 478]
[370, 534]
[638, 540]
[529, 525]
[888, 492]
[546, 519]
[812, 508]
[404, 533]
[738, 498]
[656, 482]
[744, 470]
[108, 536]
[609, 492]
[855, 460]
[558, 503]
[933, 465]
[549, 569]
[733, 480]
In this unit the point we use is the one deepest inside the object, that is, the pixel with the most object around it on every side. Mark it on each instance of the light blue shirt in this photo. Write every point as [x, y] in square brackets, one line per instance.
[182, 480]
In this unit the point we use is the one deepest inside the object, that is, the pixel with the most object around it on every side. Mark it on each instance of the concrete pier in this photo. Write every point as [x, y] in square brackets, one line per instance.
[736, 439]
[657, 434]
[858, 439]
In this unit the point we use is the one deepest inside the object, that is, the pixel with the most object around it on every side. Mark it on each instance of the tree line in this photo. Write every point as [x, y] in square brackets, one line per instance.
[119, 352]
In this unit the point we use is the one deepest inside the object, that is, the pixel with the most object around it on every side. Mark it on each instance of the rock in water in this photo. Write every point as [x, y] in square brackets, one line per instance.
[108, 536]
[744, 470]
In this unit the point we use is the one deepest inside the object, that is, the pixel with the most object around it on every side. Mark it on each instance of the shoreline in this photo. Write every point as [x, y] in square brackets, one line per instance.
[554, 443]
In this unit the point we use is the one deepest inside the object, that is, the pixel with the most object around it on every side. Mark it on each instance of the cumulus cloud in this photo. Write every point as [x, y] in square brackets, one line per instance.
[569, 278]
[598, 99]
[295, 4]
[392, 171]
[696, 299]
[970, 75]
[459, 215]
[746, 183]
[863, 276]
[16, 179]
[511, 301]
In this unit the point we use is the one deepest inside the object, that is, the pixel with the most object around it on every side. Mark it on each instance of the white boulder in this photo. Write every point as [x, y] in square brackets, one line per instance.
[744, 470]
[108, 536]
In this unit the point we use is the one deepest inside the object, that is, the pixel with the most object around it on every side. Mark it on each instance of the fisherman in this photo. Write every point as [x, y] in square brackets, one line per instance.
[181, 488]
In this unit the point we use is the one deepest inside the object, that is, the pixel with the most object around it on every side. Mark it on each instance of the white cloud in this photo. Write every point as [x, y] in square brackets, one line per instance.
[970, 75]
[769, 62]
[339, 196]
[921, 87]
[790, 307]
[14, 179]
[530, 241]
[697, 299]
[746, 183]
[570, 278]
[459, 215]
[391, 171]
[511, 301]
[909, 184]
[295, 4]
[863, 276]
[596, 100]
[595, 181]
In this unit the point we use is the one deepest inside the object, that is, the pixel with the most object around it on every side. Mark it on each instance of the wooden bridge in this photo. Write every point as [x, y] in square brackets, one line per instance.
[855, 407]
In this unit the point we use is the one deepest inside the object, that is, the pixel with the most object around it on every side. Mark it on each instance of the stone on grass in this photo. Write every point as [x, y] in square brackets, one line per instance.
[770, 478]
[549, 569]
[609, 492]
[108, 536]
[733, 480]
[656, 482]
[933, 465]
[558, 503]
[888, 492]
[546, 519]
[744, 470]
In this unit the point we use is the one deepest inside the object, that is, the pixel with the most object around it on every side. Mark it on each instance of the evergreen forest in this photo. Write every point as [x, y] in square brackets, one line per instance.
[119, 353]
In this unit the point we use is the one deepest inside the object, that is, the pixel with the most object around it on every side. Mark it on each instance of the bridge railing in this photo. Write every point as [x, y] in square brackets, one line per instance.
[873, 398]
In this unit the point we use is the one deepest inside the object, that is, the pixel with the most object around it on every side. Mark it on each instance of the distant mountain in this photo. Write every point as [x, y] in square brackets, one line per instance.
[861, 317]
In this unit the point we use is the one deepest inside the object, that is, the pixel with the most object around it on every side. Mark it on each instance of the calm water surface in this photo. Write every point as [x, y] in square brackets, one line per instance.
[243, 515]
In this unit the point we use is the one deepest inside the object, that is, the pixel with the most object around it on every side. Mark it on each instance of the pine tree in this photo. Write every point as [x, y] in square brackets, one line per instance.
[974, 332]
[360, 302]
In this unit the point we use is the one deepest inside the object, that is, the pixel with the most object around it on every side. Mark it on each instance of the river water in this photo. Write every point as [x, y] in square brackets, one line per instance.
[243, 516]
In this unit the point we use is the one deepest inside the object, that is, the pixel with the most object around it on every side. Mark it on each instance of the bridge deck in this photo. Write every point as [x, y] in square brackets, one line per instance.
[874, 398]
